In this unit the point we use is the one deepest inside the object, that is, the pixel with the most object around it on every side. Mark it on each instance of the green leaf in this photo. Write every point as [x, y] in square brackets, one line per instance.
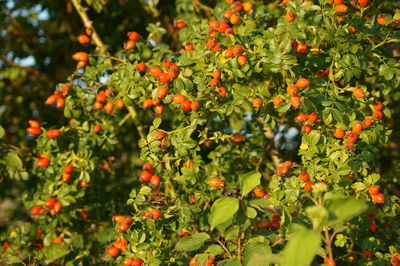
[234, 262]
[193, 242]
[254, 251]
[341, 210]
[2, 132]
[301, 248]
[222, 210]
[55, 251]
[249, 181]
[13, 161]
[157, 122]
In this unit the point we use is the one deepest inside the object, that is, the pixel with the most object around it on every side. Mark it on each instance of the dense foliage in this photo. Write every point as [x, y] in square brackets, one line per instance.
[227, 133]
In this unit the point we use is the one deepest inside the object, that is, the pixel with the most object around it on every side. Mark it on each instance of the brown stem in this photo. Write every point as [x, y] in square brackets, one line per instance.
[224, 247]
[239, 245]
[89, 25]
[328, 242]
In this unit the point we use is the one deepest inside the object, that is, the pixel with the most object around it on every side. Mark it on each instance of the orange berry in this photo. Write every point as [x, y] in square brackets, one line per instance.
[153, 214]
[357, 127]
[290, 16]
[304, 177]
[295, 102]
[80, 56]
[377, 115]
[358, 93]
[292, 90]
[195, 106]
[180, 24]
[113, 251]
[341, 8]
[373, 190]
[222, 91]
[147, 103]
[242, 60]
[257, 103]
[155, 71]
[216, 183]
[339, 133]
[301, 48]
[133, 36]
[302, 83]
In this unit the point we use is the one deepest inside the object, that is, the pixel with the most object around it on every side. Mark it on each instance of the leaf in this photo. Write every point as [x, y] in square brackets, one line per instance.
[254, 251]
[157, 122]
[341, 210]
[301, 248]
[249, 181]
[2, 132]
[13, 161]
[234, 262]
[193, 242]
[55, 251]
[222, 210]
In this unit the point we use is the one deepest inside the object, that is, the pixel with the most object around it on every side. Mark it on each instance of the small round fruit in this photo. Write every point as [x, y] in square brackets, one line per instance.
[341, 8]
[378, 198]
[195, 106]
[155, 180]
[367, 122]
[145, 176]
[216, 183]
[304, 177]
[257, 103]
[36, 210]
[242, 60]
[357, 127]
[137, 262]
[155, 71]
[153, 214]
[301, 118]
[50, 202]
[113, 251]
[148, 167]
[58, 240]
[302, 83]
[313, 117]
[301, 48]
[358, 93]
[292, 90]
[127, 261]
[290, 16]
[147, 103]
[119, 218]
[162, 92]
[306, 129]
[178, 98]
[308, 186]
[377, 115]
[186, 105]
[339, 133]
[134, 36]
[295, 101]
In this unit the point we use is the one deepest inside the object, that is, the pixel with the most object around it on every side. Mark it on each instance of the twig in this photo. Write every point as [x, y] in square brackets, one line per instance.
[328, 243]
[139, 127]
[89, 25]
[201, 6]
[224, 247]
[239, 245]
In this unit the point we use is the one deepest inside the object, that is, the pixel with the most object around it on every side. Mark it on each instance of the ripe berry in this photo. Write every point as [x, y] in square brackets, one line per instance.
[222, 91]
[301, 118]
[357, 127]
[155, 71]
[33, 123]
[153, 214]
[155, 180]
[60, 103]
[378, 198]
[180, 24]
[377, 105]
[234, 19]
[274, 225]
[242, 60]
[141, 67]
[228, 53]
[185, 105]
[358, 93]
[127, 261]
[34, 130]
[214, 82]
[50, 202]
[164, 78]
[43, 162]
[113, 251]
[292, 90]
[216, 74]
[304, 177]
[178, 98]
[101, 97]
[278, 100]
[301, 48]
[313, 117]
[377, 115]
[137, 262]
[58, 240]
[258, 192]
[308, 186]
[216, 183]
[339, 133]
[257, 103]
[195, 106]
[362, 3]
[119, 218]
[341, 8]
[295, 102]
[373, 228]
[109, 107]
[50, 100]
[36, 210]
[147, 103]
[237, 6]
[306, 129]
[290, 16]
[53, 133]
[66, 177]
[148, 167]
[145, 176]
[302, 83]
[162, 92]
[352, 137]
[120, 103]
[367, 122]
[134, 36]
[80, 56]
[57, 206]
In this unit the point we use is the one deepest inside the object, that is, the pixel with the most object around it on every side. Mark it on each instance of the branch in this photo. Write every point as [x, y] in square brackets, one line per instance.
[239, 245]
[89, 25]
[328, 242]
[224, 247]
[201, 6]
[139, 127]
